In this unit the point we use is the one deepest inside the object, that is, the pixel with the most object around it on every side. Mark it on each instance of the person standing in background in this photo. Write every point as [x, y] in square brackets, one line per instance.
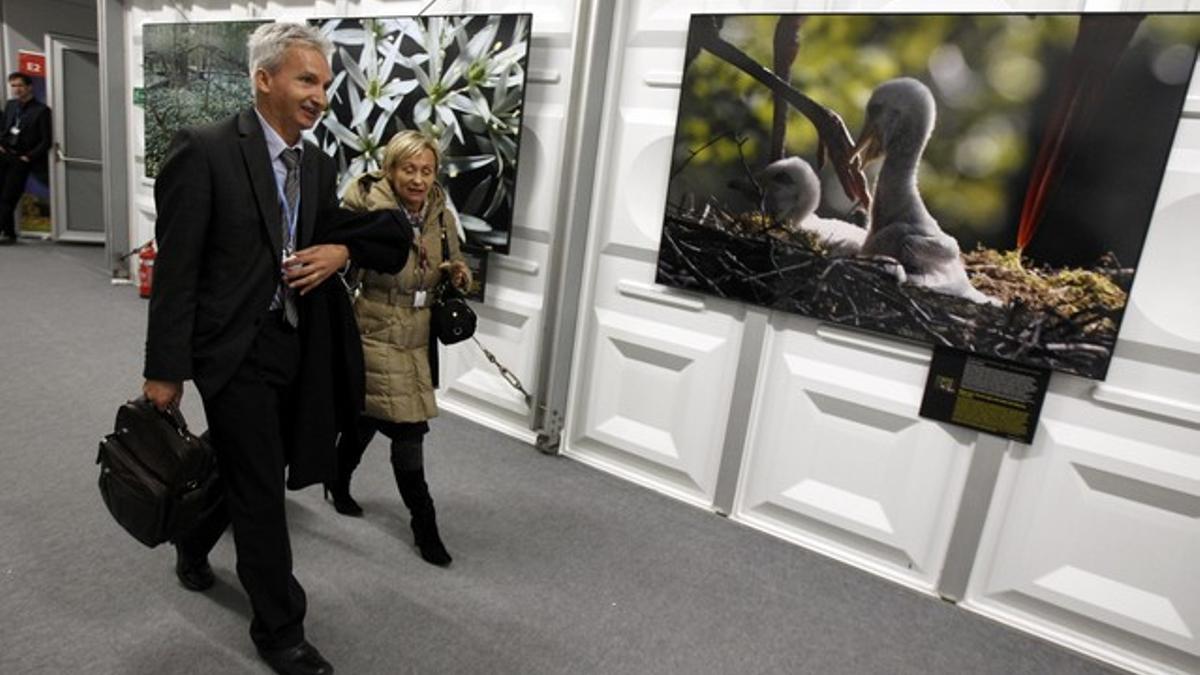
[23, 146]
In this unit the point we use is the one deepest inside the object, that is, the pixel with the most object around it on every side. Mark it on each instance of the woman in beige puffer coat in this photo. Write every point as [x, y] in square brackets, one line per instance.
[393, 318]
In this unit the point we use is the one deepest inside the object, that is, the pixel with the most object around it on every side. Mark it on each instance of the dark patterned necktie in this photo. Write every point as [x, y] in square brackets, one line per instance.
[291, 191]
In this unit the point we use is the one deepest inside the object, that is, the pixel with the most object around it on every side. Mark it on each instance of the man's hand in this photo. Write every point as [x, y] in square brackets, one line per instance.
[163, 394]
[25, 158]
[309, 267]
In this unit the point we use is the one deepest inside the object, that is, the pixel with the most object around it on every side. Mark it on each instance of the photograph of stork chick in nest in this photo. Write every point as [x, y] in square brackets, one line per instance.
[979, 181]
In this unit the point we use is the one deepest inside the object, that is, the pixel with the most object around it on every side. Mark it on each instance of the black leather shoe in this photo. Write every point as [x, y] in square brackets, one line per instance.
[302, 659]
[194, 574]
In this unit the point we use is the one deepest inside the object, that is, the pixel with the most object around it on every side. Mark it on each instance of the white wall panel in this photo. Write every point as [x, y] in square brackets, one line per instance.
[1164, 289]
[303, 10]
[1143, 5]
[1094, 535]
[639, 178]
[654, 369]
[554, 20]
[540, 167]
[839, 461]
[655, 379]
[1157, 369]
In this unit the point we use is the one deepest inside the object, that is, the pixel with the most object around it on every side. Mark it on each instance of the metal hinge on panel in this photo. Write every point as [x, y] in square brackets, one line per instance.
[549, 436]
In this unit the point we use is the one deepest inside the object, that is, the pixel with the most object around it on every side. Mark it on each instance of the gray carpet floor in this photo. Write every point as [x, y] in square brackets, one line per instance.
[558, 568]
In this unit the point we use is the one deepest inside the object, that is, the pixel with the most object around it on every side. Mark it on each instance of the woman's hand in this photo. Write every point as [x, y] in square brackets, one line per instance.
[309, 267]
[460, 274]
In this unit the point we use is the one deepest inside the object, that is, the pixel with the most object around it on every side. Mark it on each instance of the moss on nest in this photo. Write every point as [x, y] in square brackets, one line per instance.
[1067, 292]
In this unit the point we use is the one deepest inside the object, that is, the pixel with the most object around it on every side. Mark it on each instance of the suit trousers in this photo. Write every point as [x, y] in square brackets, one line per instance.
[13, 174]
[250, 428]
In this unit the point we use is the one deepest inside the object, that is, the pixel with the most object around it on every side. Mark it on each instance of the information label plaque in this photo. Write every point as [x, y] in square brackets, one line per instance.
[986, 394]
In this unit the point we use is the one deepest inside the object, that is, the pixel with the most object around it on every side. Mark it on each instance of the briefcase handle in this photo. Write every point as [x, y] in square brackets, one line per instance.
[172, 413]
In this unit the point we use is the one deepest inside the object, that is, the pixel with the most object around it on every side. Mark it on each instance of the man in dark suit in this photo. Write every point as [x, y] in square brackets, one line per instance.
[249, 232]
[23, 146]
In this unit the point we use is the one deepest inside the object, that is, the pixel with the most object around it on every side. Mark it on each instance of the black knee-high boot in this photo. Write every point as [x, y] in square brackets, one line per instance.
[415, 493]
[350, 450]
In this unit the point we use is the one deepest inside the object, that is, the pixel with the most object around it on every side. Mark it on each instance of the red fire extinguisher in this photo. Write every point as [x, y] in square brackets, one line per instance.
[146, 255]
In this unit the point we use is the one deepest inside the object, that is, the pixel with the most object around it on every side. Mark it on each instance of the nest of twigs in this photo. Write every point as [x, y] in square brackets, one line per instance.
[1062, 319]
[1066, 292]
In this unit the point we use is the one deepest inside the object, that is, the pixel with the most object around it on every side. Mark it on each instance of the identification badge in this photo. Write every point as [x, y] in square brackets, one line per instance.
[418, 298]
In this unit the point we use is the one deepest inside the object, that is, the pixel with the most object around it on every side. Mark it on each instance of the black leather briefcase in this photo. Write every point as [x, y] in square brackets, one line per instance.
[156, 478]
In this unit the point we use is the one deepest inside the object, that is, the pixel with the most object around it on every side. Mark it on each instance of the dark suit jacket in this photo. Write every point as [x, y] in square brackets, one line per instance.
[35, 137]
[219, 235]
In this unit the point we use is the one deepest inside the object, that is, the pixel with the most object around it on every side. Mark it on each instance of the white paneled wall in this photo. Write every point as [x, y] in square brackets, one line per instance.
[1091, 535]
[838, 460]
[1092, 538]
[654, 369]
[1094, 531]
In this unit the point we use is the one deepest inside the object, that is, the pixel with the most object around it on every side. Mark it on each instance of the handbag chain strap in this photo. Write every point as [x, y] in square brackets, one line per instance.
[509, 376]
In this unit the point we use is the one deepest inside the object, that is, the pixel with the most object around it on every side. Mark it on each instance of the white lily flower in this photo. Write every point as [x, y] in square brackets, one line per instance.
[372, 77]
[366, 144]
[342, 36]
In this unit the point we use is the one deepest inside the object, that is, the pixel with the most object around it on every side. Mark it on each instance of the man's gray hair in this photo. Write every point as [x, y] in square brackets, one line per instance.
[269, 41]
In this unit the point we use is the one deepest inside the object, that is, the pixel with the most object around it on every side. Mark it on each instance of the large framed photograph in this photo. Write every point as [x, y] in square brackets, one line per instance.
[194, 73]
[459, 78]
[978, 181]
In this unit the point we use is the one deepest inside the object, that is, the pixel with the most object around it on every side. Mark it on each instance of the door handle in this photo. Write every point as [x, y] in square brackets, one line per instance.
[82, 160]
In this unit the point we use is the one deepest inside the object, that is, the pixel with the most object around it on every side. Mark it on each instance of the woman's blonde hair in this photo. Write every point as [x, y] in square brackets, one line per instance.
[407, 144]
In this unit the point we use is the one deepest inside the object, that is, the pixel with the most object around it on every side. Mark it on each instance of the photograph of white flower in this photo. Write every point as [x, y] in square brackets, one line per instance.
[461, 79]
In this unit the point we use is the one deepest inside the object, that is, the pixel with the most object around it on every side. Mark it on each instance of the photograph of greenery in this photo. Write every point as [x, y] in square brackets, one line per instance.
[461, 79]
[978, 181]
[194, 73]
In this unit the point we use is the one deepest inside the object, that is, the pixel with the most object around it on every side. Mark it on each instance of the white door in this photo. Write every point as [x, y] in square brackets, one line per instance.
[76, 165]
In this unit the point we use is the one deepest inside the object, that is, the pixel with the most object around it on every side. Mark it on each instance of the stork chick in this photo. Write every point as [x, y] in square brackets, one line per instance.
[791, 192]
[900, 119]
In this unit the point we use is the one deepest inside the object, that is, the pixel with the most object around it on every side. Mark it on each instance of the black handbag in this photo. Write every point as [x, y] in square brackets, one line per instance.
[451, 319]
[157, 479]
